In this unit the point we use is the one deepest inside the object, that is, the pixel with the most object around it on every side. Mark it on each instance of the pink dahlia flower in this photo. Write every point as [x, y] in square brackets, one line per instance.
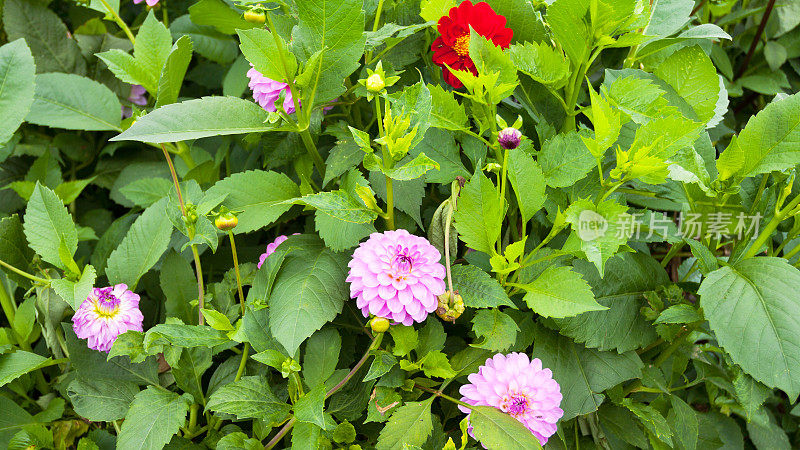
[149, 2]
[271, 249]
[266, 91]
[520, 387]
[396, 275]
[105, 314]
[138, 97]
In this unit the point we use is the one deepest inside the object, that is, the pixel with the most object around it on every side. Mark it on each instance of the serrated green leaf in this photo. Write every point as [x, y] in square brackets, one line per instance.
[446, 112]
[498, 330]
[16, 86]
[309, 408]
[528, 181]
[49, 227]
[560, 292]
[479, 215]
[693, 76]
[565, 160]
[171, 78]
[249, 398]
[154, 417]
[477, 288]
[258, 46]
[75, 292]
[411, 424]
[14, 249]
[497, 430]
[340, 205]
[321, 356]
[75, 103]
[14, 365]
[101, 400]
[179, 335]
[541, 62]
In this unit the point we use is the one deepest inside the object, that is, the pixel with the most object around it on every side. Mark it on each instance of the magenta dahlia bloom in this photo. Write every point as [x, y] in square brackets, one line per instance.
[105, 314]
[138, 97]
[396, 275]
[266, 91]
[149, 2]
[271, 249]
[520, 387]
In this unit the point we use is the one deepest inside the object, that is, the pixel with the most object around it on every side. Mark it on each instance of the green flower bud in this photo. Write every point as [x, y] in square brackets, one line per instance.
[226, 221]
[451, 306]
[379, 324]
[375, 83]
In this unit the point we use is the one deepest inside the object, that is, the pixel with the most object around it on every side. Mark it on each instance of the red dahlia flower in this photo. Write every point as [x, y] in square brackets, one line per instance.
[452, 47]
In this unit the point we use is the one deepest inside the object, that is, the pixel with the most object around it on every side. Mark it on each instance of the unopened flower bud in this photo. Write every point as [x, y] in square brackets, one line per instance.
[451, 306]
[226, 221]
[375, 83]
[255, 15]
[379, 324]
[509, 138]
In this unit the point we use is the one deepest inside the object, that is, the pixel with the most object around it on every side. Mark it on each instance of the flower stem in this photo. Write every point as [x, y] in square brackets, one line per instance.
[386, 160]
[23, 273]
[9, 308]
[311, 148]
[444, 396]
[375, 343]
[246, 350]
[375, 24]
[766, 233]
[119, 21]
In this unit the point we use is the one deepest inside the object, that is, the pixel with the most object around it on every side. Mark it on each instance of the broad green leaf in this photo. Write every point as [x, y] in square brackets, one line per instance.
[14, 249]
[446, 112]
[338, 234]
[768, 142]
[441, 146]
[750, 393]
[147, 239]
[405, 339]
[249, 398]
[206, 40]
[14, 365]
[258, 46]
[69, 191]
[151, 50]
[154, 417]
[693, 76]
[101, 400]
[239, 441]
[75, 292]
[92, 364]
[436, 365]
[681, 313]
[73, 102]
[309, 291]
[188, 370]
[541, 62]
[410, 425]
[498, 330]
[565, 159]
[171, 78]
[431, 338]
[310, 407]
[600, 229]
[749, 307]
[582, 373]
[668, 16]
[413, 169]
[652, 420]
[521, 17]
[621, 327]
[13, 419]
[497, 430]
[560, 292]
[220, 15]
[17, 72]
[477, 288]
[180, 335]
[567, 21]
[321, 356]
[414, 101]
[45, 34]
[684, 423]
[335, 28]
[49, 228]
[194, 119]
[641, 98]
[528, 181]
[146, 191]
[433, 10]
[479, 215]
[259, 194]
[178, 282]
[340, 205]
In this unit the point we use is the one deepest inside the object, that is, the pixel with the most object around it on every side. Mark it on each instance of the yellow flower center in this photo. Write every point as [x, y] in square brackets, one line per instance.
[462, 45]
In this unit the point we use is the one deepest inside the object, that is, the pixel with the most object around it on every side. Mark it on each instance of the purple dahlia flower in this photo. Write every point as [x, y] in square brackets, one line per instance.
[266, 91]
[149, 2]
[105, 314]
[138, 96]
[520, 387]
[271, 249]
[396, 275]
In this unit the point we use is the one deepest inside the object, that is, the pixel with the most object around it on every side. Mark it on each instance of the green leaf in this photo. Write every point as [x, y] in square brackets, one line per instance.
[258, 194]
[693, 76]
[435, 364]
[679, 314]
[321, 356]
[338, 234]
[239, 441]
[13, 419]
[405, 339]
[258, 46]
[189, 370]
[381, 365]
[685, 423]
[433, 10]
[206, 40]
[477, 288]
[151, 50]
[497, 430]
[179, 285]
[446, 112]
[336, 28]
[101, 400]
[479, 216]
[14, 365]
[528, 181]
[751, 394]
[309, 291]
[146, 191]
[74, 103]
[566, 20]
[340, 205]
[75, 292]
[565, 159]
[749, 307]
[16, 86]
[14, 249]
[668, 16]
[69, 191]
[92, 364]
[582, 373]
[180, 335]
[171, 78]
[541, 62]
[45, 34]
[560, 292]
[309, 408]
[599, 229]
[413, 169]
[767, 143]
[249, 398]
[652, 420]
[142, 247]
[411, 424]
[498, 330]
[220, 15]
[154, 417]
[194, 119]
[49, 227]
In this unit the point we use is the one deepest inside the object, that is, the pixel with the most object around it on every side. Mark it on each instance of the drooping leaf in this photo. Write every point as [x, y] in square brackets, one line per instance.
[154, 417]
[16, 86]
[74, 102]
[249, 398]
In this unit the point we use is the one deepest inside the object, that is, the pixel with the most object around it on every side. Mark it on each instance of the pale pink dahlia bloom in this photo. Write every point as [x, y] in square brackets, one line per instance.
[105, 314]
[271, 249]
[520, 387]
[396, 275]
[149, 2]
[266, 91]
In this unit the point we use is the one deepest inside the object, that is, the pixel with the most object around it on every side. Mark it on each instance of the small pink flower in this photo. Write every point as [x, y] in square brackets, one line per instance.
[105, 314]
[266, 91]
[149, 2]
[138, 96]
[520, 387]
[271, 248]
[396, 275]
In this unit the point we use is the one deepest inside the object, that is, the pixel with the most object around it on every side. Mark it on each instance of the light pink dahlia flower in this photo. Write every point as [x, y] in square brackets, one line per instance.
[149, 2]
[105, 314]
[396, 275]
[266, 91]
[520, 387]
[271, 249]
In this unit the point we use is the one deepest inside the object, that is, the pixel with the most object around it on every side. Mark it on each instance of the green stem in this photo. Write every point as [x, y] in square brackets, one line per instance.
[792, 252]
[9, 308]
[198, 268]
[246, 350]
[766, 233]
[242, 362]
[23, 273]
[119, 21]
[311, 148]
[671, 253]
[444, 396]
[193, 416]
[375, 26]
[387, 160]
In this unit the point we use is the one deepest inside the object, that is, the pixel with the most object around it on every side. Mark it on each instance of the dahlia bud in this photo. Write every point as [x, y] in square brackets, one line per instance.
[375, 83]
[509, 138]
[289, 366]
[255, 15]
[226, 221]
[451, 306]
[379, 324]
